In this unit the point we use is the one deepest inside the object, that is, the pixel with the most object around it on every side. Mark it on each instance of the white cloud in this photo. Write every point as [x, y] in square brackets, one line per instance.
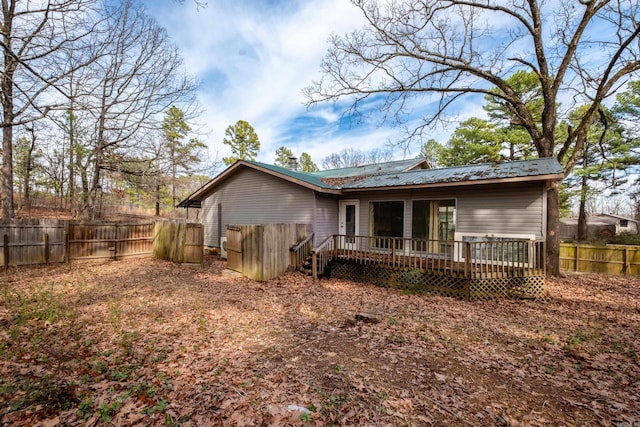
[254, 61]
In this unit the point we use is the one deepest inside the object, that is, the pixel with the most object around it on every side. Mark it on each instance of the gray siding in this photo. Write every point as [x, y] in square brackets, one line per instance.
[252, 197]
[497, 209]
[325, 218]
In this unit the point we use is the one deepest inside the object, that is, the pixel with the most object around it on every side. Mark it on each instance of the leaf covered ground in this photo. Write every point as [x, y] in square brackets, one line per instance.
[147, 342]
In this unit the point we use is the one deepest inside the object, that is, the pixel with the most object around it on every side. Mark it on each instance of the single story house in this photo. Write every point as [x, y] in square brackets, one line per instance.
[403, 198]
[458, 226]
[601, 225]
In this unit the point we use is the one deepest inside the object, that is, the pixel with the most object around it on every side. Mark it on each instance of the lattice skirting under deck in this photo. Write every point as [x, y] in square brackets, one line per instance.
[438, 282]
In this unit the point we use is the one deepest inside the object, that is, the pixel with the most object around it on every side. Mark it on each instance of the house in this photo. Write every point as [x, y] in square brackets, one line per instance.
[397, 199]
[602, 225]
[393, 201]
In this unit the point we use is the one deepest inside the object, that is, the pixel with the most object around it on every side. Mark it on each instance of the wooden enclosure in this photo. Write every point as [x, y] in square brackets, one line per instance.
[262, 252]
[611, 259]
[179, 242]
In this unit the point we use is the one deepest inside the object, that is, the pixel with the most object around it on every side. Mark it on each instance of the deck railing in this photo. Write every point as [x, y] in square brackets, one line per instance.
[468, 259]
[301, 251]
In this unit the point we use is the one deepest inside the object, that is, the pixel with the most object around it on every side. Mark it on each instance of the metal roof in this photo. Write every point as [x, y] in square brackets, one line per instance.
[393, 166]
[461, 174]
[309, 178]
[393, 174]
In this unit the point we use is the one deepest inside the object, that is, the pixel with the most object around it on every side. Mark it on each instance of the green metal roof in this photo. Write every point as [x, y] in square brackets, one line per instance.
[310, 178]
[461, 174]
[375, 168]
[401, 173]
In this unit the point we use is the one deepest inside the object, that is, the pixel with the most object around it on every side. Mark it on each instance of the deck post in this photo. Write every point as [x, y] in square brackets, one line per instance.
[393, 252]
[335, 246]
[467, 259]
[314, 264]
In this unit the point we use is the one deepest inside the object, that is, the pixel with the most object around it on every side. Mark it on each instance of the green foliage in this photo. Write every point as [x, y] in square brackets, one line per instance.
[433, 151]
[282, 157]
[627, 239]
[243, 141]
[306, 164]
[474, 141]
[527, 85]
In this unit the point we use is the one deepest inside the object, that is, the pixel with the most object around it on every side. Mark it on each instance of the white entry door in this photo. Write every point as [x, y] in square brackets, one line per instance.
[348, 223]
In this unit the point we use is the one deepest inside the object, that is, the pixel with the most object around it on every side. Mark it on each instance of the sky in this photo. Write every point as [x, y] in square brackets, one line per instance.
[253, 59]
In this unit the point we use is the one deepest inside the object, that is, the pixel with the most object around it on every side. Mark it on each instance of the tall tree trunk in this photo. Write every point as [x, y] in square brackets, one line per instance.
[7, 170]
[27, 172]
[157, 198]
[583, 228]
[72, 148]
[553, 229]
[6, 85]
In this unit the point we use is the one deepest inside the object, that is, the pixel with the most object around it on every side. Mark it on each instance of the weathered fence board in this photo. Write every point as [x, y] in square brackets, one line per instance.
[179, 242]
[32, 243]
[109, 240]
[46, 241]
[234, 248]
[261, 251]
[611, 259]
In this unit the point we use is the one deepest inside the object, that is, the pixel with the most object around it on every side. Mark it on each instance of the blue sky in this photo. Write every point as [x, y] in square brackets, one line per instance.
[254, 58]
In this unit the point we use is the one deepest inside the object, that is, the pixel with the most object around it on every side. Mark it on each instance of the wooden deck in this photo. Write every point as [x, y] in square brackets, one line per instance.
[472, 270]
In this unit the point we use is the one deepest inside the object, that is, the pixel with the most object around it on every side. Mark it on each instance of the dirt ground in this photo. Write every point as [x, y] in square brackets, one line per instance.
[147, 342]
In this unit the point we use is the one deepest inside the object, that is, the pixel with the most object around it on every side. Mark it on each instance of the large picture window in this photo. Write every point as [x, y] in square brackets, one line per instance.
[433, 221]
[387, 220]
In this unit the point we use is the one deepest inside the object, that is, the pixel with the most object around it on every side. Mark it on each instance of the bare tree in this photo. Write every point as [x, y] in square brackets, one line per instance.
[137, 79]
[35, 36]
[447, 50]
[348, 157]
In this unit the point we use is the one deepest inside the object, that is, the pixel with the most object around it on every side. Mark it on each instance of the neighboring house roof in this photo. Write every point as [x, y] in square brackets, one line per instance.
[396, 174]
[598, 219]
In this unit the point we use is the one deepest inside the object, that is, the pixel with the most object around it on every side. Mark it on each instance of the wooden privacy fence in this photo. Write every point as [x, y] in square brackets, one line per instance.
[262, 252]
[179, 242]
[43, 242]
[612, 259]
[34, 242]
[109, 240]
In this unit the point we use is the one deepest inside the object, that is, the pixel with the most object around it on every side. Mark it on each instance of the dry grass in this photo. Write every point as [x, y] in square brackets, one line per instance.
[146, 342]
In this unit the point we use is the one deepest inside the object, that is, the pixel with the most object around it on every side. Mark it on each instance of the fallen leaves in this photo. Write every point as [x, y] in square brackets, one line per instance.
[146, 342]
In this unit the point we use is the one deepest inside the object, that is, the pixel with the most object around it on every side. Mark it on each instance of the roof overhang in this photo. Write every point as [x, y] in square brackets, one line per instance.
[462, 183]
[202, 192]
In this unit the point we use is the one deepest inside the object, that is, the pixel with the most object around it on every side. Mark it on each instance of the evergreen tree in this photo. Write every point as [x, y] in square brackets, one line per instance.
[243, 141]
[282, 157]
[306, 164]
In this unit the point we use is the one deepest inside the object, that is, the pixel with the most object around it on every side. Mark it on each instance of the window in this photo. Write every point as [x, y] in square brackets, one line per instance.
[624, 223]
[433, 221]
[387, 220]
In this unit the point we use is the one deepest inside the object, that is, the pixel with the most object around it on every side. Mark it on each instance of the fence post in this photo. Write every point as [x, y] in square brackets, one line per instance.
[66, 242]
[115, 244]
[626, 269]
[6, 250]
[577, 263]
[47, 249]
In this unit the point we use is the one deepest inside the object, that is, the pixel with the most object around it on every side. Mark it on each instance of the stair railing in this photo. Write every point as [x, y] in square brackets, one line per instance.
[321, 255]
[301, 251]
